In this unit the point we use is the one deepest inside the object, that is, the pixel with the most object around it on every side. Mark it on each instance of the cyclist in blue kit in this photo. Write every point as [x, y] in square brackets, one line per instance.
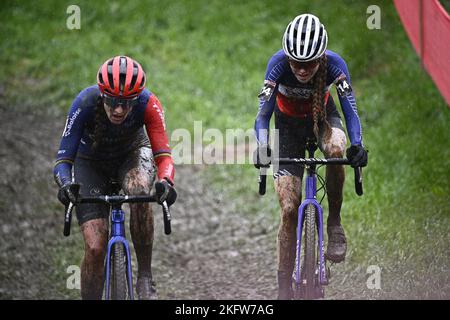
[115, 130]
[296, 89]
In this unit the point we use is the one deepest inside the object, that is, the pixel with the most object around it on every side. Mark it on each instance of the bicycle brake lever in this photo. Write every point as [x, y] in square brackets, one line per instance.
[358, 181]
[166, 208]
[166, 218]
[262, 181]
[68, 219]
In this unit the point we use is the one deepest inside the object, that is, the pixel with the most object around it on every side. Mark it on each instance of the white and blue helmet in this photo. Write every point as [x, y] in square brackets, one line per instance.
[305, 38]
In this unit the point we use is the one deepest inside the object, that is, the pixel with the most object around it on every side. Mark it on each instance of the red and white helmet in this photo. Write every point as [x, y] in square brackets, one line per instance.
[121, 77]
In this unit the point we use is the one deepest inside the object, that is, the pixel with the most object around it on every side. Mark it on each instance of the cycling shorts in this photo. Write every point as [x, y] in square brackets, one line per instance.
[95, 176]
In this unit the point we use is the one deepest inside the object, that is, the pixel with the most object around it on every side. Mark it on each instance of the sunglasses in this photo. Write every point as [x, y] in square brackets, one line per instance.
[114, 102]
[304, 65]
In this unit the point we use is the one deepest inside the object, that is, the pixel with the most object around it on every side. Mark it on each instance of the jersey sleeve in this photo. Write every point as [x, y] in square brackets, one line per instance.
[70, 139]
[156, 131]
[267, 97]
[341, 79]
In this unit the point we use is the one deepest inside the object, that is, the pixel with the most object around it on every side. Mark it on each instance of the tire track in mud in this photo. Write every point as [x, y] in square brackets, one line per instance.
[212, 253]
[28, 217]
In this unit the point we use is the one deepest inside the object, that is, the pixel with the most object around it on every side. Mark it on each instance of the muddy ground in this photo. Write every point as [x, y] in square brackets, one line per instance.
[214, 252]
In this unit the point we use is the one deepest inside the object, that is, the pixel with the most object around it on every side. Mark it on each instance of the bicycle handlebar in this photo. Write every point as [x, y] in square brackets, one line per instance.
[312, 161]
[117, 199]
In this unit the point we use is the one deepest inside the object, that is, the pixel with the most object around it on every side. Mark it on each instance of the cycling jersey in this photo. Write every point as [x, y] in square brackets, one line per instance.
[295, 98]
[116, 140]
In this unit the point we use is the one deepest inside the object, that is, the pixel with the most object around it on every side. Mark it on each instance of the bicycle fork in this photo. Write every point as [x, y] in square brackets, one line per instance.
[118, 236]
[310, 199]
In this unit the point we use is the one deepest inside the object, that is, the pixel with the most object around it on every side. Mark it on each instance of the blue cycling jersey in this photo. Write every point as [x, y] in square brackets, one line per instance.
[116, 141]
[295, 98]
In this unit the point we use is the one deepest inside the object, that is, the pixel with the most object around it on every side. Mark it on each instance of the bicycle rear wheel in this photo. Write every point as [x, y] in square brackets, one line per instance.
[118, 273]
[310, 262]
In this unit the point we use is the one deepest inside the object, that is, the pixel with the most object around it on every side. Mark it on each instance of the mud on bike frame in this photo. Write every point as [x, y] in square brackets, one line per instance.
[117, 236]
[310, 273]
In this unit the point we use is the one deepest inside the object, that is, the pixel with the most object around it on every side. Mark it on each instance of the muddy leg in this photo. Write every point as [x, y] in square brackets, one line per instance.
[95, 234]
[288, 189]
[337, 243]
[334, 147]
[141, 221]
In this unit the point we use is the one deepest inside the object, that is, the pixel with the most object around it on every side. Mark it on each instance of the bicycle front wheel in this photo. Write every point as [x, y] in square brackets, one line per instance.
[310, 252]
[118, 273]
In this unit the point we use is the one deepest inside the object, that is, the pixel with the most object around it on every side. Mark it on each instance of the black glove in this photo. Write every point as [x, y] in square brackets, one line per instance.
[357, 156]
[165, 192]
[68, 193]
[261, 156]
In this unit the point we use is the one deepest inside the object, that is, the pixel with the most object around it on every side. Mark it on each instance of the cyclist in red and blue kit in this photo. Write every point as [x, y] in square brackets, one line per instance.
[296, 89]
[115, 131]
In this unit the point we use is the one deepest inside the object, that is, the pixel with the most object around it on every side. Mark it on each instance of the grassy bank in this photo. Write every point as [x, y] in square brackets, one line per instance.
[206, 60]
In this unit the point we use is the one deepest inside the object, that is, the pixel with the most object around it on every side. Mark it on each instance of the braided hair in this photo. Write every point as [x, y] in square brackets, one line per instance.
[318, 106]
[99, 123]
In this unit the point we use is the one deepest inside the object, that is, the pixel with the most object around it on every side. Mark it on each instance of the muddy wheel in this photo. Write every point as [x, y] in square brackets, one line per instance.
[310, 252]
[118, 273]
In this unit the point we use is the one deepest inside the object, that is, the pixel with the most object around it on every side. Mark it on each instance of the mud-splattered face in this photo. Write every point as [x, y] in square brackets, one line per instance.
[118, 114]
[304, 71]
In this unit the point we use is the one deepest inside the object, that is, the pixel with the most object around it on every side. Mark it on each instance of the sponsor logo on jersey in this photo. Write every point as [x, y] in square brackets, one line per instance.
[161, 114]
[69, 122]
[295, 92]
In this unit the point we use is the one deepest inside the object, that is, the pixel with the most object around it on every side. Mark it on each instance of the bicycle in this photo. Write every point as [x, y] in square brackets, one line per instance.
[118, 273]
[310, 273]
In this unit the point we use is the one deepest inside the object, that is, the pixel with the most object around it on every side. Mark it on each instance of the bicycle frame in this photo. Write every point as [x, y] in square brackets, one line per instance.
[118, 236]
[310, 198]
[117, 229]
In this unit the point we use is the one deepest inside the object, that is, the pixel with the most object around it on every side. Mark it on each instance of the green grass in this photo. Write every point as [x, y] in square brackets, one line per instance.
[206, 61]
[446, 5]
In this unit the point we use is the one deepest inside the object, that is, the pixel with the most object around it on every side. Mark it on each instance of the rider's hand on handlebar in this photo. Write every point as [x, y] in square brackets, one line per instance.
[261, 156]
[67, 193]
[165, 192]
[357, 156]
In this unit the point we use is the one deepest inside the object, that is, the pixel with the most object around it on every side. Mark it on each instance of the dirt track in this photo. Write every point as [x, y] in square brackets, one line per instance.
[213, 253]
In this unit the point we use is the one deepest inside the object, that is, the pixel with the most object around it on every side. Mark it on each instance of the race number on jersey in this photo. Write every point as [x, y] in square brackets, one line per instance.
[267, 90]
[342, 85]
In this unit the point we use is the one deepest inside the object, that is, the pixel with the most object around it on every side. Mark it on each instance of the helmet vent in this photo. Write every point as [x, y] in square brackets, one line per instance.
[134, 78]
